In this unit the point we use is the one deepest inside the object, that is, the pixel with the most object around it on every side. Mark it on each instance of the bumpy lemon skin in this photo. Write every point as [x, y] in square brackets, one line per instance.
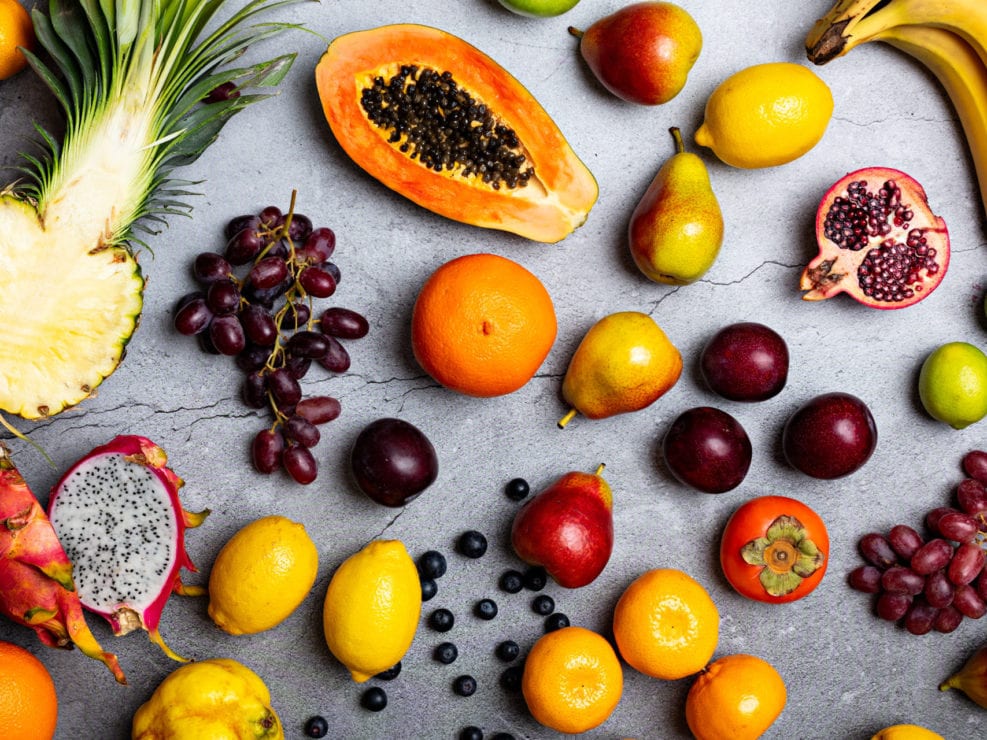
[261, 575]
[372, 608]
[214, 699]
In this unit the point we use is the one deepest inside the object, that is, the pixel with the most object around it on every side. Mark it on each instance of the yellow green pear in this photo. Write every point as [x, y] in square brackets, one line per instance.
[676, 231]
[624, 363]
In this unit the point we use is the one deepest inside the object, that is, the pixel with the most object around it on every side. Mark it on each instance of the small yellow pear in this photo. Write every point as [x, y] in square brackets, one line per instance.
[624, 363]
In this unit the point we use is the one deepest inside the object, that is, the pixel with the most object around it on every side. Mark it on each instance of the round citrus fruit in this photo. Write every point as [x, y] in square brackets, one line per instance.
[666, 624]
[261, 575]
[572, 680]
[906, 732]
[28, 704]
[952, 384]
[766, 115]
[737, 696]
[482, 325]
[372, 608]
[16, 30]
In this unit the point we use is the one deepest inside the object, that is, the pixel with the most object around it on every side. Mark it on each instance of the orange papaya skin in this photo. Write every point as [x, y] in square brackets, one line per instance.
[556, 200]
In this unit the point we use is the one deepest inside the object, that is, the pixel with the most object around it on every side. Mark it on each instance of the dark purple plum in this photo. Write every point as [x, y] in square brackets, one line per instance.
[745, 361]
[707, 449]
[393, 461]
[830, 436]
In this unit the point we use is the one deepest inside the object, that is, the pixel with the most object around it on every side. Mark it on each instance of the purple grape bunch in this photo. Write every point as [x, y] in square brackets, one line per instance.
[932, 582]
[256, 302]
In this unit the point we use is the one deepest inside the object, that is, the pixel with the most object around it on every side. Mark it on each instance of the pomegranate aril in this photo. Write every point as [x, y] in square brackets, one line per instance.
[193, 318]
[226, 335]
[268, 272]
[343, 323]
[300, 464]
[266, 450]
[301, 430]
[905, 541]
[259, 326]
[947, 620]
[318, 409]
[223, 297]
[920, 617]
[966, 565]
[902, 580]
[975, 465]
[968, 602]
[972, 497]
[932, 556]
[309, 344]
[209, 267]
[284, 387]
[958, 526]
[877, 550]
[254, 390]
[893, 607]
[317, 282]
[865, 578]
[938, 590]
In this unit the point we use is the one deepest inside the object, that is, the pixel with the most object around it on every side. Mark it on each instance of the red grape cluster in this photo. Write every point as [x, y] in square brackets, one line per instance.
[264, 317]
[932, 583]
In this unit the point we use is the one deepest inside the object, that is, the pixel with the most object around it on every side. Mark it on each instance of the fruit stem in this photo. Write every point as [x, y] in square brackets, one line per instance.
[567, 418]
[575, 32]
[677, 138]
[599, 469]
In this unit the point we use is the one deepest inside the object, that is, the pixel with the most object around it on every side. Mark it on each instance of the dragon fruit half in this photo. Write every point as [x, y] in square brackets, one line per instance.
[36, 585]
[118, 516]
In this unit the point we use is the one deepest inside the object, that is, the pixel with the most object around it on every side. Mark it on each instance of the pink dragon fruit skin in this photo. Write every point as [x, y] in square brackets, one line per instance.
[36, 586]
[119, 518]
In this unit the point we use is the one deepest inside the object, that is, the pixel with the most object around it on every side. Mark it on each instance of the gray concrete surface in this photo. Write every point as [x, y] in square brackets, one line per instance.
[847, 673]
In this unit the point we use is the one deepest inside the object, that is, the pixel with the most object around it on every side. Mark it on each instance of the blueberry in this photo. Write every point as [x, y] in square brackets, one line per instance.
[471, 733]
[556, 621]
[485, 609]
[517, 489]
[511, 581]
[391, 673]
[374, 699]
[464, 685]
[429, 588]
[432, 564]
[316, 726]
[441, 620]
[472, 544]
[508, 650]
[446, 653]
[543, 605]
[535, 578]
[510, 679]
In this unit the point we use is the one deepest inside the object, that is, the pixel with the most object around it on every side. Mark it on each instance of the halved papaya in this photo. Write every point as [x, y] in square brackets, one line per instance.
[440, 122]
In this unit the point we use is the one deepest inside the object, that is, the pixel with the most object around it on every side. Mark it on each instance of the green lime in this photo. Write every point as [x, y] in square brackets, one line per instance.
[953, 384]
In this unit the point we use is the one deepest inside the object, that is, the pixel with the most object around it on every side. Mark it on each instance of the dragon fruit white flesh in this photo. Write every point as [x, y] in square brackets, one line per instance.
[119, 518]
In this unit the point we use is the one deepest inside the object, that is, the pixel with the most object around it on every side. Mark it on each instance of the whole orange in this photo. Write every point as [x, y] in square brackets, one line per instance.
[16, 29]
[482, 325]
[28, 705]
[666, 624]
[737, 696]
[572, 680]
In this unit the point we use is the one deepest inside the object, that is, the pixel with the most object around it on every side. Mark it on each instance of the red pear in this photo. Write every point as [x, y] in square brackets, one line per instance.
[567, 528]
[643, 52]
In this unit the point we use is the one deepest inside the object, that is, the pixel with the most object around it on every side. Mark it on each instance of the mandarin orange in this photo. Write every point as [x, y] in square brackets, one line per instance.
[737, 697]
[16, 30]
[28, 703]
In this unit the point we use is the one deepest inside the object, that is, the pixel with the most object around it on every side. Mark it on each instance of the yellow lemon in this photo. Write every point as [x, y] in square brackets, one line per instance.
[906, 732]
[952, 384]
[372, 607]
[766, 115]
[261, 575]
[215, 698]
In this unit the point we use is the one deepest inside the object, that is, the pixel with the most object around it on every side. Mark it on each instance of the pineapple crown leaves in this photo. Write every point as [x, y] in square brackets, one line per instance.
[144, 59]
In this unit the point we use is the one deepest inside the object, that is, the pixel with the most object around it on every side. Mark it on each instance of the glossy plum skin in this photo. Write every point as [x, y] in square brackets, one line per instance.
[392, 462]
[745, 361]
[707, 449]
[830, 436]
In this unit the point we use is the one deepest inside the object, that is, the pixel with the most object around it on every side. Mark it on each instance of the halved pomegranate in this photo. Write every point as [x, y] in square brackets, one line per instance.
[879, 241]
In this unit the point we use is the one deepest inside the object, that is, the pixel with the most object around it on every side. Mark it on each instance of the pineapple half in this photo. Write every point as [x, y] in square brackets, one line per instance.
[132, 78]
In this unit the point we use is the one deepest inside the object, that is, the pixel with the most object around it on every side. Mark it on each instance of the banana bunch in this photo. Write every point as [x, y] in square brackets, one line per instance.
[949, 37]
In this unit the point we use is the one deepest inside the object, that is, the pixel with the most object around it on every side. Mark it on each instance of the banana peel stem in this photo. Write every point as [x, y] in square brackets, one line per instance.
[849, 23]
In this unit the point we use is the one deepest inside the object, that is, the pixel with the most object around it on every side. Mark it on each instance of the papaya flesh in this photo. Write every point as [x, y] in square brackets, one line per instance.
[440, 122]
